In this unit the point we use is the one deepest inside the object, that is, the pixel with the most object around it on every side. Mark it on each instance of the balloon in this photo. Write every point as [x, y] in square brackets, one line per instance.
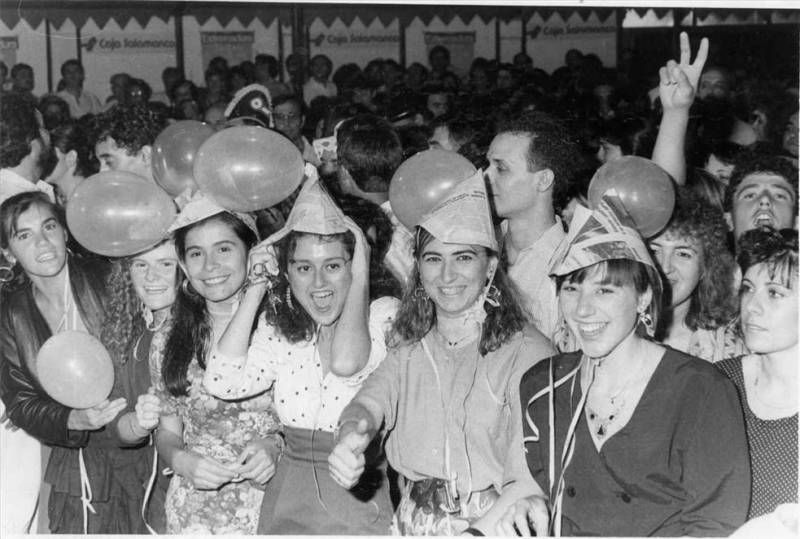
[246, 168]
[116, 213]
[423, 180]
[75, 369]
[173, 154]
[643, 187]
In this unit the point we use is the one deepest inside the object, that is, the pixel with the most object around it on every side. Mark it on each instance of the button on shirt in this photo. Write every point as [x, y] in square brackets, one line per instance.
[304, 396]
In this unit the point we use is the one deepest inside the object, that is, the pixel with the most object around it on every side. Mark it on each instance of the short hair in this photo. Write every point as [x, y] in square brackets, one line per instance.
[439, 49]
[761, 164]
[633, 134]
[71, 136]
[290, 98]
[551, 146]
[370, 149]
[71, 62]
[270, 62]
[53, 121]
[621, 272]
[132, 126]
[712, 303]
[18, 128]
[20, 67]
[775, 248]
[322, 57]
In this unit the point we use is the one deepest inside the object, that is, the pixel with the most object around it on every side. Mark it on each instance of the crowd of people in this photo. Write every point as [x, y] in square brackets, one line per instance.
[525, 358]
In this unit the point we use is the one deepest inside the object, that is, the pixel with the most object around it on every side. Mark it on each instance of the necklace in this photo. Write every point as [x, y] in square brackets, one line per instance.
[602, 422]
[455, 343]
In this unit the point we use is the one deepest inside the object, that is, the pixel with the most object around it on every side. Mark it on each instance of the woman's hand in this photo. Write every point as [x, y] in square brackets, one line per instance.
[346, 461]
[361, 252]
[257, 463]
[204, 472]
[526, 517]
[262, 265]
[95, 417]
[678, 81]
[148, 410]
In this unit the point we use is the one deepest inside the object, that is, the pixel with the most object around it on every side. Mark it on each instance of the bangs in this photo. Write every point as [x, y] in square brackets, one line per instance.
[617, 272]
[783, 270]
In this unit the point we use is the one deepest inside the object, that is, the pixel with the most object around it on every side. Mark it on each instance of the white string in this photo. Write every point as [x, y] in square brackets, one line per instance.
[149, 490]
[86, 492]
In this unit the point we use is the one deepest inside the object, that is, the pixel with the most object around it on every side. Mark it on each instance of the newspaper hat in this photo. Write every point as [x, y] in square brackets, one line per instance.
[200, 206]
[463, 216]
[606, 233]
[313, 212]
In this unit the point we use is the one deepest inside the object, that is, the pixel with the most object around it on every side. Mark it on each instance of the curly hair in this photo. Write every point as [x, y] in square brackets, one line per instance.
[124, 321]
[416, 316]
[775, 248]
[761, 164]
[293, 322]
[190, 334]
[131, 126]
[552, 145]
[712, 303]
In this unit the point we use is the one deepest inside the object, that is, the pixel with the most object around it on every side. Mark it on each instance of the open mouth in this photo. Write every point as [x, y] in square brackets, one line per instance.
[451, 291]
[46, 257]
[155, 290]
[764, 219]
[592, 330]
[322, 300]
[215, 281]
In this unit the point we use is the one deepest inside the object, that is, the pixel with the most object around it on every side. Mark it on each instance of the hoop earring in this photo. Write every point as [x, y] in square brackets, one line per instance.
[6, 274]
[493, 296]
[187, 289]
[289, 303]
[647, 321]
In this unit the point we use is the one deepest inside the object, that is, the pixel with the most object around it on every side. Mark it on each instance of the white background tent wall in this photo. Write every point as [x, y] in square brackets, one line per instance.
[142, 37]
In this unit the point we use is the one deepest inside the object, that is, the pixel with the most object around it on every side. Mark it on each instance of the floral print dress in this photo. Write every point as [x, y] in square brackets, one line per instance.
[220, 430]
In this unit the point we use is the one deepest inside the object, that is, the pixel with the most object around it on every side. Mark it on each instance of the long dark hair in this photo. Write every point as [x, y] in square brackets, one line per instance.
[416, 315]
[294, 323]
[190, 334]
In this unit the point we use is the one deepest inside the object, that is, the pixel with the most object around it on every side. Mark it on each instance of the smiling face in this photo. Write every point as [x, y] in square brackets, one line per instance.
[38, 242]
[215, 261]
[601, 313]
[319, 274]
[454, 275]
[154, 276]
[681, 260]
[768, 307]
[763, 199]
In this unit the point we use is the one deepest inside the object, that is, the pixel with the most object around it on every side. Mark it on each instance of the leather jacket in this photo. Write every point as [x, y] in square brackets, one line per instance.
[23, 330]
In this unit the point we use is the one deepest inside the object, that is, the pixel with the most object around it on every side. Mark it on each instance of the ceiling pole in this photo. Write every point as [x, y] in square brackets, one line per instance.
[49, 55]
[179, 51]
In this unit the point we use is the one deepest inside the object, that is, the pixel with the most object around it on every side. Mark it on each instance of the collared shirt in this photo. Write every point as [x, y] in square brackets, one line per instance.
[455, 394]
[529, 273]
[86, 103]
[12, 184]
[304, 397]
[313, 88]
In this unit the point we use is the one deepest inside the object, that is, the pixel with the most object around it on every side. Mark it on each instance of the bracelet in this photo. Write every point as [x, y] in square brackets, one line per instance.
[474, 531]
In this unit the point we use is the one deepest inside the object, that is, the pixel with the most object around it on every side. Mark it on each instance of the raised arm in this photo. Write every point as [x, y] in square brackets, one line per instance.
[677, 88]
[351, 343]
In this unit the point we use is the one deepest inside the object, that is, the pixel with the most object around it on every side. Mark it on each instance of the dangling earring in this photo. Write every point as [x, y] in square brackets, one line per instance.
[647, 320]
[493, 296]
[289, 298]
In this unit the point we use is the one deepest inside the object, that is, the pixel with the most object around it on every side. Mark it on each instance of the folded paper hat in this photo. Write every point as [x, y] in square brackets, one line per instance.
[254, 103]
[607, 233]
[463, 216]
[313, 212]
[201, 206]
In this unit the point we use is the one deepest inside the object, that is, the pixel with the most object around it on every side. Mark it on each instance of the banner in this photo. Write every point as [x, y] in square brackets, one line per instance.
[460, 44]
[8, 50]
[128, 43]
[548, 41]
[235, 47]
[355, 43]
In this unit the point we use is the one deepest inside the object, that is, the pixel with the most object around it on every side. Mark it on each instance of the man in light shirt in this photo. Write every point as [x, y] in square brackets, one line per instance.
[319, 85]
[80, 101]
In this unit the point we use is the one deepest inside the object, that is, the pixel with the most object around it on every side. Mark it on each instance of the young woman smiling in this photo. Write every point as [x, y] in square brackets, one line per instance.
[317, 339]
